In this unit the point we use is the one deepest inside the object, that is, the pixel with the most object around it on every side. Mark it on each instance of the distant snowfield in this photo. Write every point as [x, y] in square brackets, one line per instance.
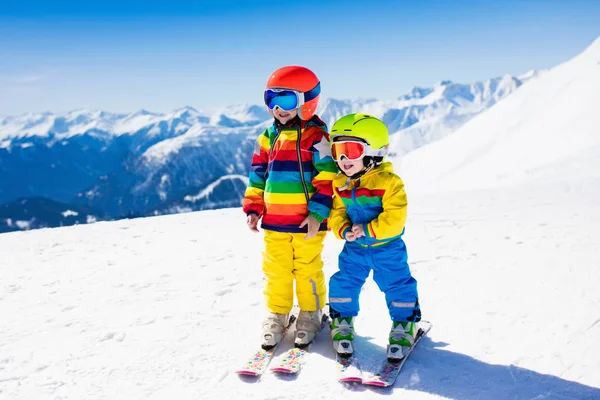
[167, 307]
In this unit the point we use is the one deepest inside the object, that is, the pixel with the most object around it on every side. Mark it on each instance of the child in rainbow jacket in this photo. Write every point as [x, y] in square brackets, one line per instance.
[369, 212]
[290, 188]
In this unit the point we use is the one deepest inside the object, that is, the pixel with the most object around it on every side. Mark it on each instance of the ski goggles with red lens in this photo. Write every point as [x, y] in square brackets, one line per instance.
[351, 150]
[354, 150]
[289, 99]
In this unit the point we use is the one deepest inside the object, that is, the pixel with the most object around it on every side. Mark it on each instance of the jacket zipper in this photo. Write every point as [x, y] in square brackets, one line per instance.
[356, 185]
[300, 163]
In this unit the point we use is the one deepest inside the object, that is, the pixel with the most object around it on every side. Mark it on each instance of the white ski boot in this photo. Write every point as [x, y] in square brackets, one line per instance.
[307, 327]
[342, 333]
[402, 337]
[272, 329]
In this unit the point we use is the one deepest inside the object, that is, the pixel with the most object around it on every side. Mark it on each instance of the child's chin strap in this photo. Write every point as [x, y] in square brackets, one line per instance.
[357, 175]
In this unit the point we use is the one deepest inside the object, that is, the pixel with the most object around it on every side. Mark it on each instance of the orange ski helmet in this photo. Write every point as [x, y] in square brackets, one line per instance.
[300, 80]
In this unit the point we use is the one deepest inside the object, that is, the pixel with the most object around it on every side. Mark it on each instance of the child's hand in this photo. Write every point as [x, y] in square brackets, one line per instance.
[252, 222]
[313, 226]
[350, 236]
[358, 230]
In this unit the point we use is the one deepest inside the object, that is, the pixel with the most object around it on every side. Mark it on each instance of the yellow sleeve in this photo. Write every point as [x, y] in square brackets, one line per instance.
[338, 219]
[391, 221]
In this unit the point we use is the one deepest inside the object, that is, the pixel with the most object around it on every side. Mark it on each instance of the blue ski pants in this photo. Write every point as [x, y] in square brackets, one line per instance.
[390, 272]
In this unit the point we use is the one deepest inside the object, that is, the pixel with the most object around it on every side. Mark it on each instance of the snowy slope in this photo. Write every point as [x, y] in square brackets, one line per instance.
[167, 307]
[549, 127]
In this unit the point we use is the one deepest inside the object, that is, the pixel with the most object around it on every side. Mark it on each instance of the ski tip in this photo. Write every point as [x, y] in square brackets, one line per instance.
[375, 383]
[351, 379]
[282, 370]
[425, 325]
[246, 372]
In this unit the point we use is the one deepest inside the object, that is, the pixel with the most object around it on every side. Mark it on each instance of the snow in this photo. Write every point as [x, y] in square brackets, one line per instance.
[198, 135]
[239, 115]
[69, 213]
[169, 306]
[30, 124]
[209, 189]
[24, 225]
[80, 121]
[136, 122]
[159, 153]
[426, 115]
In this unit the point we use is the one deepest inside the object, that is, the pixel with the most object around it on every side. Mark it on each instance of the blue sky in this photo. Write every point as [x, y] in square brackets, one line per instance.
[127, 55]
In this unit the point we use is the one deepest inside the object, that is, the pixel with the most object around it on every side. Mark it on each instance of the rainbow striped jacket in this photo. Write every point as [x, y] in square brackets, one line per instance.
[376, 200]
[291, 176]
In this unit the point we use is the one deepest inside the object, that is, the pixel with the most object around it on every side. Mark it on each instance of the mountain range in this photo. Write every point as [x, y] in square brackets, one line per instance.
[146, 163]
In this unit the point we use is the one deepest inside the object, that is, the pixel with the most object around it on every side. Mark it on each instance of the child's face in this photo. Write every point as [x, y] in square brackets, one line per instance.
[350, 167]
[284, 116]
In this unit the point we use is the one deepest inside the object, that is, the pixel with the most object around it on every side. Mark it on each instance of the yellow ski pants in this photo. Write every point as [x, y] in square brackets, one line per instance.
[289, 256]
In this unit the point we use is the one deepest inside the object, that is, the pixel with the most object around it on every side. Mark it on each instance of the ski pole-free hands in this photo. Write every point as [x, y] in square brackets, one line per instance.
[358, 230]
[313, 226]
[252, 222]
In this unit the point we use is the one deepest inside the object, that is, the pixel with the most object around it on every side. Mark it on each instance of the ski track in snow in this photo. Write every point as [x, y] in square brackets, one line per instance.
[168, 307]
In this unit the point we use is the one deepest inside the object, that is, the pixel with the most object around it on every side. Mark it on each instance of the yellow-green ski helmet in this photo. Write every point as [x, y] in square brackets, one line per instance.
[362, 126]
[368, 129]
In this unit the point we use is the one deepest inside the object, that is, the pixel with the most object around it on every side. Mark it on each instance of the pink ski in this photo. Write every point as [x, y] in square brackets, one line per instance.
[258, 363]
[389, 371]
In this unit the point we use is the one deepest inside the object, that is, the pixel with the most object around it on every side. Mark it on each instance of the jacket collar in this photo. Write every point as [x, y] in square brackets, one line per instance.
[293, 123]
[342, 180]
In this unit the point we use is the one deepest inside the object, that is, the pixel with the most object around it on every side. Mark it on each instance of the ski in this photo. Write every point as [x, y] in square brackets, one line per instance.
[348, 369]
[258, 363]
[389, 371]
[292, 360]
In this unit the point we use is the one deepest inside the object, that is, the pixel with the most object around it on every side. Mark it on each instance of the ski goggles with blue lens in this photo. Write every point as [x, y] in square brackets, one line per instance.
[289, 99]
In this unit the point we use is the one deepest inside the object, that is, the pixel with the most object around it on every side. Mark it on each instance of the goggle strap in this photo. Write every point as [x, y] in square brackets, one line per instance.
[376, 153]
[312, 93]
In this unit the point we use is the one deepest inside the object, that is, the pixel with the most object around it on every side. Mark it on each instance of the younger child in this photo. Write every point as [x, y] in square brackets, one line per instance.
[369, 212]
[290, 189]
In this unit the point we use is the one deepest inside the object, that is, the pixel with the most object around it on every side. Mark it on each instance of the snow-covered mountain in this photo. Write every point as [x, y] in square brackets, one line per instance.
[225, 192]
[159, 179]
[83, 121]
[241, 115]
[550, 128]
[145, 163]
[428, 114]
